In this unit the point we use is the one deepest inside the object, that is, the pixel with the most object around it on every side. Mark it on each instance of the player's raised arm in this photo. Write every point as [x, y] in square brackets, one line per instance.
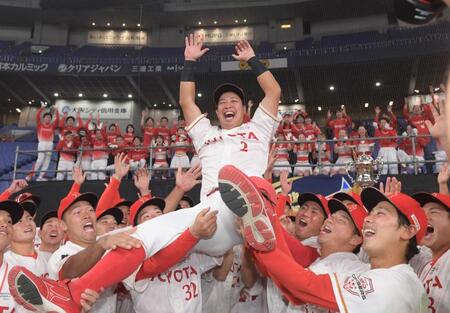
[267, 82]
[192, 53]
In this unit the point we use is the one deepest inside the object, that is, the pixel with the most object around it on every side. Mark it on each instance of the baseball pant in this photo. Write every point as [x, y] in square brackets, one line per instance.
[65, 165]
[389, 154]
[43, 159]
[86, 167]
[180, 161]
[99, 165]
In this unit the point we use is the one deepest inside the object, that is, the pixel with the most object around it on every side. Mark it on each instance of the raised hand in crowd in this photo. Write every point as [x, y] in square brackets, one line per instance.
[244, 51]
[122, 240]
[270, 163]
[205, 224]
[389, 108]
[141, 180]
[189, 179]
[17, 185]
[78, 176]
[392, 187]
[194, 47]
[286, 185]
[442, 180]
[121, 166]
[329, 114]
[377, 110]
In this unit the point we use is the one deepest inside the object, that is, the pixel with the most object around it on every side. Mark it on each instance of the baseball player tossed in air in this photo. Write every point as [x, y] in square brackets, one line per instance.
[223, 151]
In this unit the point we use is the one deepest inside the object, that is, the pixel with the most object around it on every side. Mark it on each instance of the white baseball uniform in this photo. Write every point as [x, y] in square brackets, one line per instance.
[175, 291]
[228, 296]
[107, 301]
[340, 262]
[36, 263]
[436, 279]
[395, 289]
[247, 148]
[275, 301]
[7, 303]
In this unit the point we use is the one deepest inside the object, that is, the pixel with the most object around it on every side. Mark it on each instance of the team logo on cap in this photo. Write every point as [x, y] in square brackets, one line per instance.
[416, 221]
[359, 286]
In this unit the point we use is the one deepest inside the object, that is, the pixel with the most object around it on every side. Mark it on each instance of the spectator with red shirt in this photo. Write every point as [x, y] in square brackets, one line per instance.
[129, 134]
[67, 123]
[85, 153]
[405, 152]
[147, 128]
[163, 130]
[180, 158]
[137, 155]
[282, 156]
[67, 148]
[45, 133]
[302, 151]
[112, 133]
[322, 149]
[362, 143]
[299, 123]
[310, 130]
[388, 151]
[342, 121]
[343, 151]
[390, 115]
[99, 156]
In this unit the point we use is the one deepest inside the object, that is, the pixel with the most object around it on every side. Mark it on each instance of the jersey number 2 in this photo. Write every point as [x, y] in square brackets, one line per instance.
[244, 146]
[191, 291]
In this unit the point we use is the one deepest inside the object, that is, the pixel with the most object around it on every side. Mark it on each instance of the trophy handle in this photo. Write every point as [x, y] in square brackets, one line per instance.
[379, 163]
[348, 167]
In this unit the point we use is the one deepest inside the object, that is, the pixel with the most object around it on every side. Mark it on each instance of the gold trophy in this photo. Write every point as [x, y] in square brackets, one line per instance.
[364, 166]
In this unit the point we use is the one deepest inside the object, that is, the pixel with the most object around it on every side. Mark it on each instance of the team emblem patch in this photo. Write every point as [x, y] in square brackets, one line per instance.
[359, 286]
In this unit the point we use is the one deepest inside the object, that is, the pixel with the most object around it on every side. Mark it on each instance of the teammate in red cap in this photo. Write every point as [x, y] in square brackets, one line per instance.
[50, 232]
[243, 145]
[436, 273]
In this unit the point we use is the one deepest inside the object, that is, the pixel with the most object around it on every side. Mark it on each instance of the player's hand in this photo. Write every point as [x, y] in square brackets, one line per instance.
[205, 224]
[78, 176]
[141, 180]
[144, 113]
[443, 175]
[286, 185]
[343, 110]
[189, 179]
[239, 226]
[272, 157]
[392, 188]
[244, 51]
[377, 110]
[88, 298]
[121, 166]
[194, 47]
[17, 185]
[122, 240]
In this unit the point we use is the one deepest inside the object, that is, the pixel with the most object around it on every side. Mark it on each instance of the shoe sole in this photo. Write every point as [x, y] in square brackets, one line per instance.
[25, 293]
[243, 199]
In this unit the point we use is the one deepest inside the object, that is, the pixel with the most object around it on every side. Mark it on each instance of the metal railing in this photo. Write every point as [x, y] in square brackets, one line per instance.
[320, 155]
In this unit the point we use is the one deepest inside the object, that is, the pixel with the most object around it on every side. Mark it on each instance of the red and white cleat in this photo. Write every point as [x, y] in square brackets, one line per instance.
[242, 197]
[40, 294]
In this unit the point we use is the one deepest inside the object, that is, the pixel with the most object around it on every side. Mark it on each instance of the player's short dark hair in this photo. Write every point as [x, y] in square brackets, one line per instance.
[149, 118]
[70, 118]
[47, 113]
[411, 249]
[129, 125]
[112, 125]
[164, 118]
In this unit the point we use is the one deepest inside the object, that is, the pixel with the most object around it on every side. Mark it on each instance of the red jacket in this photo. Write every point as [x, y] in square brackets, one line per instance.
[384, 143]
[339, 123]
[64, 148]
[46, 132]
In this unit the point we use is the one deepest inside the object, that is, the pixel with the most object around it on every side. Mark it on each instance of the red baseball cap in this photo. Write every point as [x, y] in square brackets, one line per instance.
[74, 197]
[319, 199]
[29, 202]
[142, 203]
[357, 212]
[350, 196]
[424, 198]
[403, 203]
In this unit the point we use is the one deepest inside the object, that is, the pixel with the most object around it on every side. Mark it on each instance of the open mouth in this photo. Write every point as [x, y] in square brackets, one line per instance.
[367, 233]
[430, 229]
[302, 222]
[3, 233]
[28, 230]
[88, 227]
[229, 115]
[326, 229]
[53, 235]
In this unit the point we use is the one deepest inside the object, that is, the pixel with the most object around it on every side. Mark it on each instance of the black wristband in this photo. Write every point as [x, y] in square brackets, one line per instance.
[257, 67]
[188, 73]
